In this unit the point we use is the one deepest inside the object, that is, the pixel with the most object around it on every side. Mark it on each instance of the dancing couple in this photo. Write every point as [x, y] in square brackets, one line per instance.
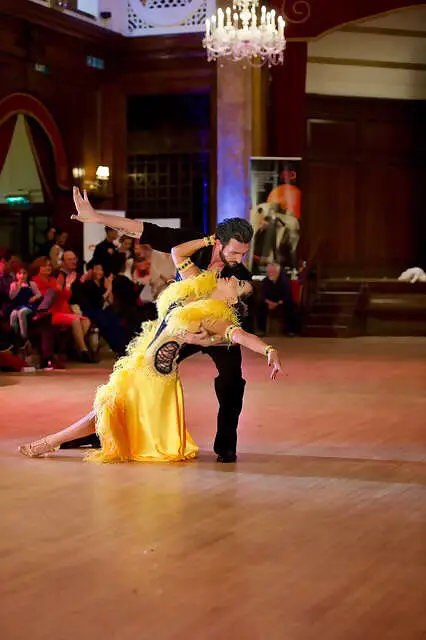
[139, 413]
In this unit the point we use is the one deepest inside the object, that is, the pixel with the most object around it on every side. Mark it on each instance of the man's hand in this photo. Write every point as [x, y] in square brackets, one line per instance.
[85, 211]
[86, 276]
[201, 338]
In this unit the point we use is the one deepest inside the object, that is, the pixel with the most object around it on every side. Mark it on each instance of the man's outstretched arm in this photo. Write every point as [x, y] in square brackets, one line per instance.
[159, 238]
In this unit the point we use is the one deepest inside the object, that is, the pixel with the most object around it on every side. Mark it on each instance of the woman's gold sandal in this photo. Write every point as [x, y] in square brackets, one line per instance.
[37, 448]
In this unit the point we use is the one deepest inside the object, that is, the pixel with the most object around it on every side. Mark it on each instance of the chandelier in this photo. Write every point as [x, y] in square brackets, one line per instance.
[243, 34]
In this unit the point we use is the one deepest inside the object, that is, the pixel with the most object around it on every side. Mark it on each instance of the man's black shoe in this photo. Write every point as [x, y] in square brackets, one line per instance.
[86, 441]
[227, 456]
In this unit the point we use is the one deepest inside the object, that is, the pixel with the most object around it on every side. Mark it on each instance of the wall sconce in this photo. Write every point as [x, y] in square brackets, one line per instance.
[102, 173]
[99, 187]
[78, 173]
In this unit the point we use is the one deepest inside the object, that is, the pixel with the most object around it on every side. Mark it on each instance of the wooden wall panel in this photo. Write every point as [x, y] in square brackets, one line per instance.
[89, 105]
[364, 185]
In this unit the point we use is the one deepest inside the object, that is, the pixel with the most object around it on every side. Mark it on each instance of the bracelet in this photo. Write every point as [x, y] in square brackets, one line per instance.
[209, 241]
[268, 349]
[229, 333]
[185, 265]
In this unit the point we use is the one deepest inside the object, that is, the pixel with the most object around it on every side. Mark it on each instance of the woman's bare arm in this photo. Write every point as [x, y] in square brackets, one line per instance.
[223, 328]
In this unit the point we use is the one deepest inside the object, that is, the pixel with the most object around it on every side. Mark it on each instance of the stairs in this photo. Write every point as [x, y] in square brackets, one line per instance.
[333, 313]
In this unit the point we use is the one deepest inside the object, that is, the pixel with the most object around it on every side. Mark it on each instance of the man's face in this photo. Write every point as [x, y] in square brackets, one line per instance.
[272, 271]
[3, 266]
[234, 252]
[70, 261]
[112, 235]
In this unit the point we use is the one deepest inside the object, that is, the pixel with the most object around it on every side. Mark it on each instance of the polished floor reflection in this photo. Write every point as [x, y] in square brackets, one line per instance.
[318, 533]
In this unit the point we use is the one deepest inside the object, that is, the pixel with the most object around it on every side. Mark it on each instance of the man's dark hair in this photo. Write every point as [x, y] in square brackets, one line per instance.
[5, 255]
[234, 228]
[109, 229]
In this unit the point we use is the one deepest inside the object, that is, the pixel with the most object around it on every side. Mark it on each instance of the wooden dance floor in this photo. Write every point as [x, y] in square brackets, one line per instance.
[318, 533]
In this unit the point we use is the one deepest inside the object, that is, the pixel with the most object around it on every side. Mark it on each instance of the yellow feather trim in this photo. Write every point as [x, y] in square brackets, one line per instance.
[190, 316]
[200, 287]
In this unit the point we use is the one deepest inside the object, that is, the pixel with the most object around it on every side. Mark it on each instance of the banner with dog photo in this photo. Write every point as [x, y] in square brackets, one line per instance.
[275, 212]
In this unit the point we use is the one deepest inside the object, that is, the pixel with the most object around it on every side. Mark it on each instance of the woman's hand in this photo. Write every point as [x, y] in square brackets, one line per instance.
[274, 362]
[85, 211]
[70, 279]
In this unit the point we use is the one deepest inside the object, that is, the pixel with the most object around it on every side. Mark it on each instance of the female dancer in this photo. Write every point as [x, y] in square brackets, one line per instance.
[139, 413]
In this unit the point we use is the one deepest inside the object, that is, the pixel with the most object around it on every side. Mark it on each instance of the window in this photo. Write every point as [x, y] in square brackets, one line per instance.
[169, 185]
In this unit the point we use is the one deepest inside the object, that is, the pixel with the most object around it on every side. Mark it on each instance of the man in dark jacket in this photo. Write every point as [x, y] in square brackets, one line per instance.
[234, 236]
[276, 297]
[106, 252]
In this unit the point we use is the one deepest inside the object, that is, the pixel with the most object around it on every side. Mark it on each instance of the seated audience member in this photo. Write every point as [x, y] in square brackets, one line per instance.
[126, 303]
[96, 299]
[70, 269]
[56, 253]
[162, 272]
[40, 327]
[126, 247]
[276, 297]
[155, 264]
[24, 297]
[44, 249]
[6, 279]
[106, 252]
[62, 314]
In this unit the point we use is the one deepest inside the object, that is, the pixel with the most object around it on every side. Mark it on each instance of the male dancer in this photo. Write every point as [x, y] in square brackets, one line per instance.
[233, 237]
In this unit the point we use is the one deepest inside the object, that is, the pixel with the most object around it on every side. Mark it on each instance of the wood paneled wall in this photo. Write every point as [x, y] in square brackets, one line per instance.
[89, 105]
[364, 184]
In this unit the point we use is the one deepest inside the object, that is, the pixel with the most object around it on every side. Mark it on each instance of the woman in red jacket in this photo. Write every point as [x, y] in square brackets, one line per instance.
[60, 309]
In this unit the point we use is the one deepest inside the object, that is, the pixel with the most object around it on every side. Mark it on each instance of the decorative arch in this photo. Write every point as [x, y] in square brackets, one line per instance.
[311, 19]
[26, 104]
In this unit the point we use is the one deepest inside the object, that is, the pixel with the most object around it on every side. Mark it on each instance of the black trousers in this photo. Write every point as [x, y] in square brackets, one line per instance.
[229, 386]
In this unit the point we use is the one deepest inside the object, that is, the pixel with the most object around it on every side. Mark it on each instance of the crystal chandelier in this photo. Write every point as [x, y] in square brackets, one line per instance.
[243, 34]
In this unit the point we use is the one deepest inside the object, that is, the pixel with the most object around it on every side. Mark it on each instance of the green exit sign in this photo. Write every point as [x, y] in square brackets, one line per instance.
[41, 68]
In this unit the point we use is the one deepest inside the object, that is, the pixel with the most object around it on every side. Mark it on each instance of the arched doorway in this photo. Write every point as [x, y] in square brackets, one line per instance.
[33, 172]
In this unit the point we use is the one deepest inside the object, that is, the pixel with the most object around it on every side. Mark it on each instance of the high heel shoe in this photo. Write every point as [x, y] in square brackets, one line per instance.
[37, 448]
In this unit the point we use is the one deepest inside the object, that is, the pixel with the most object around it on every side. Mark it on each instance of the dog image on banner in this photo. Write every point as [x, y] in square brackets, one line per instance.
[275, 213]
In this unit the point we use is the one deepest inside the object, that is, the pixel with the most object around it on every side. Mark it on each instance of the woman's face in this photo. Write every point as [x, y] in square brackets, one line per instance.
[126, 245]
[98, 272]
[46, 269]
[232, 288]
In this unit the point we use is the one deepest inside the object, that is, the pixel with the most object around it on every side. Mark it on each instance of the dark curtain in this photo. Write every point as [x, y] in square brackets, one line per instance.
[6, 133]
[62, 206]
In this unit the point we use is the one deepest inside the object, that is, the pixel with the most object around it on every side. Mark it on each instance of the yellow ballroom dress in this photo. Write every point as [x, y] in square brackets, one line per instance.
[140, 411]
